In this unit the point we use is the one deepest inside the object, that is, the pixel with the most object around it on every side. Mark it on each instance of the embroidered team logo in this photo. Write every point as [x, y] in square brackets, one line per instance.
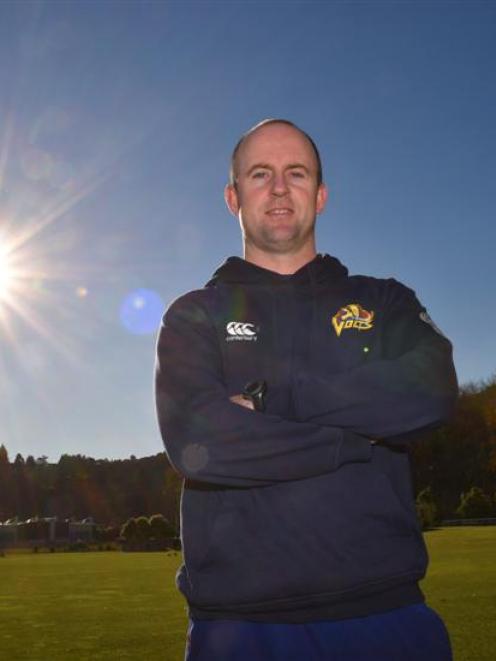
[352, 316]
[238, 330]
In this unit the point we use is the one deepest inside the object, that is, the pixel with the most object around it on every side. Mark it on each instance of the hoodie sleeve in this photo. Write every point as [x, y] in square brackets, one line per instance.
[208, 438]
[412, 387]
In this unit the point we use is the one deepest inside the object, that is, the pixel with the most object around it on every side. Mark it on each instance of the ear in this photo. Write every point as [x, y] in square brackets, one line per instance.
[322, 195]
[231, 198]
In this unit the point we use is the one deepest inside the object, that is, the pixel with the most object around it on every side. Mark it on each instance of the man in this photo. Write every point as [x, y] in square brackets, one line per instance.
[298, 524]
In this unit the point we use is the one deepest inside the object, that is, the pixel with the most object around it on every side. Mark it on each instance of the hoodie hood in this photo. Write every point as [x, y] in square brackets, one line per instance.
[321, 269]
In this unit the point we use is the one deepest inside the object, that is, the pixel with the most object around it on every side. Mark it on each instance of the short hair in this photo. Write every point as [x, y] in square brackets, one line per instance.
[265, 122]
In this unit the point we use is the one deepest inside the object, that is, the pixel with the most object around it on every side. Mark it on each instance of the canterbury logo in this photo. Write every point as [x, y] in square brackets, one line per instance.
[352, 316]
[237, 330]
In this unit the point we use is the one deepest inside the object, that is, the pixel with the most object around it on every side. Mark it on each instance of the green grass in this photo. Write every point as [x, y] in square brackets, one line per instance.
[461, 586]
[113, 606]
[90, 606]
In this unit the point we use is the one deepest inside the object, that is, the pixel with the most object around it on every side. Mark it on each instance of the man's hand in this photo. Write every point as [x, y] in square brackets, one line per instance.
[239, 399]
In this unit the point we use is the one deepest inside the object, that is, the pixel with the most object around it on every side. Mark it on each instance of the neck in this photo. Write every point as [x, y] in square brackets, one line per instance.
[284, 264]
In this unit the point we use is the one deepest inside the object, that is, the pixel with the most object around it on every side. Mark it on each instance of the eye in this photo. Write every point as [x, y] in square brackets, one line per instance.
[297, 174]
[259, 174]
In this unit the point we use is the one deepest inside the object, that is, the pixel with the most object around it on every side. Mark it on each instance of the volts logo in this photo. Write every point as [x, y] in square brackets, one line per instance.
[352, 316]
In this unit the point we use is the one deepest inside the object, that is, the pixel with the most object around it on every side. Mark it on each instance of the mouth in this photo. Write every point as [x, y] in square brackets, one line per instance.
[279, 212]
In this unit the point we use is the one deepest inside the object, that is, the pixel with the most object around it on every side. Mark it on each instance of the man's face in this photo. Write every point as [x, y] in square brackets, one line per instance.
[277, 197]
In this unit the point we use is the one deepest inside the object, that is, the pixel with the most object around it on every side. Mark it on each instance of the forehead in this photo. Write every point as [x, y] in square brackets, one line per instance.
[276, 144]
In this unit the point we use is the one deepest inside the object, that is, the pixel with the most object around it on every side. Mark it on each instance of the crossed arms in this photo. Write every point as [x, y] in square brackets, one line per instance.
[210, 438]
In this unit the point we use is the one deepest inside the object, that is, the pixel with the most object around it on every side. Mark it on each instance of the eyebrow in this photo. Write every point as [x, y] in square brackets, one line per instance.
[266, 166]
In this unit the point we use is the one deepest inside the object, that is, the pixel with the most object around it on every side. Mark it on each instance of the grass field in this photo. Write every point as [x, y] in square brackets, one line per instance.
[461, 586]
[113, 606]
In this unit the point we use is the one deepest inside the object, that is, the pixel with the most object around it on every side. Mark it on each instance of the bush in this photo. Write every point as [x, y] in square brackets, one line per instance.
[142, 534]
[143, 530]
[427, 510]
[128, 530]
[107, 533]
[160, 528]
[78, 546]
[475, 504]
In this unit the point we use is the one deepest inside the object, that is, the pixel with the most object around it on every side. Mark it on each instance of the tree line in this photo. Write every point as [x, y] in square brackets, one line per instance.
[78, 487]
[448, 464]
[454, 466]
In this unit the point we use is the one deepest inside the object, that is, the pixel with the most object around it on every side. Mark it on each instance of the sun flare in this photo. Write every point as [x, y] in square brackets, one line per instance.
[25, 294]
[7, 276]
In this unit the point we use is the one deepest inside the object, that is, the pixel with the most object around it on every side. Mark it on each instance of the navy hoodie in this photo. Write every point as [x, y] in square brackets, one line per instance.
[305, 511]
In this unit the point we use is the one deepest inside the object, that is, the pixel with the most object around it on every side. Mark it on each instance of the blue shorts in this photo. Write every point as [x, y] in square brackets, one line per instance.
[412, 633]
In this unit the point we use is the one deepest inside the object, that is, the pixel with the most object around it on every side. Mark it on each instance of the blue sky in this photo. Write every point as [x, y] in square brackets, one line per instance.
[117, 120]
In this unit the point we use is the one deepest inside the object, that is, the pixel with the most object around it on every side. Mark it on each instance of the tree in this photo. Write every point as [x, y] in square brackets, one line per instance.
[160, 528]
[457, 455]
[172, 496]
[128, 530]
[22, 489]
[142, 529]
[475, 504]
[4, 456]
[427, 510]
[107, 533]
[7, 496]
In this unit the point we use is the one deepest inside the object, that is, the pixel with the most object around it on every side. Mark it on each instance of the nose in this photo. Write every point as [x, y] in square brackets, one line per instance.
[279, 184]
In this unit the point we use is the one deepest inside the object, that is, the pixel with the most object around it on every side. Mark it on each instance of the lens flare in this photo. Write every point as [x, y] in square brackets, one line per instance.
[141, 312]
[6, 275]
